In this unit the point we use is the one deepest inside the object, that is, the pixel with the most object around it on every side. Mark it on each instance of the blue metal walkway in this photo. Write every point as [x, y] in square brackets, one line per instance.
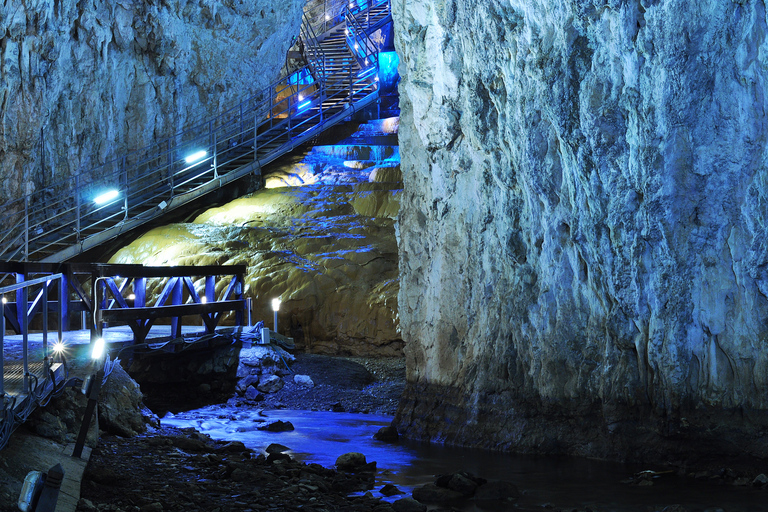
[57, 222]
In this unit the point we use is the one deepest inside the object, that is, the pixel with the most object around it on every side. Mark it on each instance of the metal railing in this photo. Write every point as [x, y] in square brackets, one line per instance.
[23, 312]
[63, 219]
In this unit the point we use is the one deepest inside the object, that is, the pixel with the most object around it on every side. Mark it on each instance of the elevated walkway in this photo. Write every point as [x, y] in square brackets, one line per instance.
[60, 221]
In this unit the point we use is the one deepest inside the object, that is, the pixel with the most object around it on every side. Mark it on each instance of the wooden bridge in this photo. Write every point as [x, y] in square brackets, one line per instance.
[92, 304]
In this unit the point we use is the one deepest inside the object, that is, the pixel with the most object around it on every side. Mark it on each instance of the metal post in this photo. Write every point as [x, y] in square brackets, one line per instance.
[93, 397]
[176, 299]
[215, 157]
[2, 349]
[77, 207]
[50, 493]
[46, 362]
[26, 228]
[275, 321]
[25, 337]
[249, 306]
[62, 305]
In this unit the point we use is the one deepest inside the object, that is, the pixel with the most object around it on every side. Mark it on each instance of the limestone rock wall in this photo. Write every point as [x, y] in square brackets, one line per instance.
[81, 81]
[582, 236]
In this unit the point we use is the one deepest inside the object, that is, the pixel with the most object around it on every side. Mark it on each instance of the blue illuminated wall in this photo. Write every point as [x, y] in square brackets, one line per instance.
[388, 76]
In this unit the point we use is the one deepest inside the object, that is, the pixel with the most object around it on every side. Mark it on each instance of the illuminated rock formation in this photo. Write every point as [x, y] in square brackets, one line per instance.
[583, 254]
[83, 81]
[321, 237]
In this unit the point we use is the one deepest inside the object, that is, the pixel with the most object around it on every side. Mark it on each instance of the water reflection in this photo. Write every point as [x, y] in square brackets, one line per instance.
[546, 482]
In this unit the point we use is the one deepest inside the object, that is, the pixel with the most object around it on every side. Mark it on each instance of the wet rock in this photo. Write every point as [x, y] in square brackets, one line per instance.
[337, 407]
[270, 384]
[408, 505]
[277, 426]
[304, 381]
[760, 480]
[497, 490]
[387, 434]
[272, 457]
[232, 447]
[352, 461]
[460, 483]
[276, 448]
[390, 490]
[431, 493]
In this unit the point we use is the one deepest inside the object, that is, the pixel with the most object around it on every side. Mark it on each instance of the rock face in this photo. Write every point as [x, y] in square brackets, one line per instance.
[81, 81]
[583, 254]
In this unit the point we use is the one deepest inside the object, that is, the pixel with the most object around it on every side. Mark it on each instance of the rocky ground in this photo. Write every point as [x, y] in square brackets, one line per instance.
[167, 469]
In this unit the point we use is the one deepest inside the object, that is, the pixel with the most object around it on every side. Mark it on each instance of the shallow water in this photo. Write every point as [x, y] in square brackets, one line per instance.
[561, 482]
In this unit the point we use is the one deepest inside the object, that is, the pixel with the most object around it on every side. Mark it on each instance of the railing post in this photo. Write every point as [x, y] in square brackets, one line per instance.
[255, 139]
[77, 207]
[176, 299]
[2, 349]
[124, 177]
[215, 156]
[26, 228]
[45, 327]
[170, 168]
[63, 306]
[25, 338]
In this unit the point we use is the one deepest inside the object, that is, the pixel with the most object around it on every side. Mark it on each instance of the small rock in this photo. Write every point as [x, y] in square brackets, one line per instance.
[408, 505]
[387, 434]
[251, 393]
[460, 483]
[277, 426]
[337, 407]
[303, 380]
[270, 384]
[497, 490]
[760, 480]
[232, 447]
[390, 490]
[351, 461]
[431, 493]
[277, 448]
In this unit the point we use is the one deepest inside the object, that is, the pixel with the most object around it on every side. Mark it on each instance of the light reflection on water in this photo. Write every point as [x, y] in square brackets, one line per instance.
[321, 436]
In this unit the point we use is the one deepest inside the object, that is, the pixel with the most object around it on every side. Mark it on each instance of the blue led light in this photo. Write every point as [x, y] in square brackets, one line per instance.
[303, 105]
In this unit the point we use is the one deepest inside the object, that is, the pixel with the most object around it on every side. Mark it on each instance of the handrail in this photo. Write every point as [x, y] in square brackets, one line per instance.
[23, 310]
[61, 220]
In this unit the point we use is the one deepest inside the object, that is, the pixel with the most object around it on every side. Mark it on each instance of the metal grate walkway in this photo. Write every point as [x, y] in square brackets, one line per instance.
[64, 219]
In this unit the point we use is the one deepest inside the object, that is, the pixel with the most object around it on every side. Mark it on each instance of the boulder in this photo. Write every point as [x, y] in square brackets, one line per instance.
[304, 381]
[352, 461]
[270, 384]
[387, 434]
[408, 505]
[497, 490]
[431, 493]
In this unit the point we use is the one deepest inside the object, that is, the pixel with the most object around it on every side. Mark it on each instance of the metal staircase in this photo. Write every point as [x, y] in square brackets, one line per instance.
[64, 219]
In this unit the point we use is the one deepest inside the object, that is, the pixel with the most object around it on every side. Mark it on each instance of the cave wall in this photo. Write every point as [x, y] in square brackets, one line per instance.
[82, 81]
[582, 236]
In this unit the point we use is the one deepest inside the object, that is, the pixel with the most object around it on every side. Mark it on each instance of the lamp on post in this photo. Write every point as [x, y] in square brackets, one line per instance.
[276, 308]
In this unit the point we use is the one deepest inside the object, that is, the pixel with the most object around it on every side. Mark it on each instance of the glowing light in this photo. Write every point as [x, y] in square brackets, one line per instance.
[303, 105]
[98, 349]
[357, 46]
[203, 300]
[58, 347]
[5, 301]
[196, 156]
[106, 197]
[276, 304]
[132, 296]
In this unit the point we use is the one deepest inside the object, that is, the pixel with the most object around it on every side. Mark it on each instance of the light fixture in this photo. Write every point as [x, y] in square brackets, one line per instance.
[5, 301]
[327, 17]
[132, 296]
[196, 156]
[98, 349]
[203, 300]
[303, 105]
[58, 347]
[275, 308]
[106, 197]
